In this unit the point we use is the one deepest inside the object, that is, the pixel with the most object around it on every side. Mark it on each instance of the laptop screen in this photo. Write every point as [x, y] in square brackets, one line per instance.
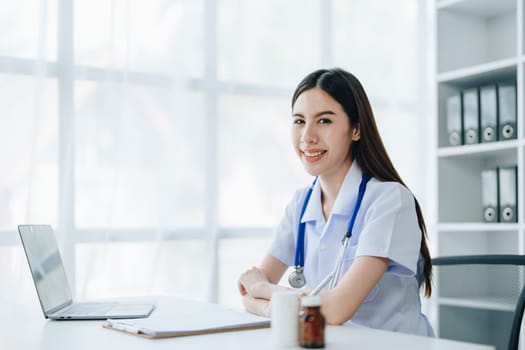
[46, 266]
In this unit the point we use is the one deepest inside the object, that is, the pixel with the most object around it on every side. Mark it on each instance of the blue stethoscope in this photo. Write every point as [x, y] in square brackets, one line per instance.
[296, 278]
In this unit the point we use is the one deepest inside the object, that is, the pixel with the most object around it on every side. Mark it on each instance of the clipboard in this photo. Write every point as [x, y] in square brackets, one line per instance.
[180, 325]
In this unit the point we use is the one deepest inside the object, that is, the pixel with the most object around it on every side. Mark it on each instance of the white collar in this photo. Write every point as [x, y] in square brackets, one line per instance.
[345, 201]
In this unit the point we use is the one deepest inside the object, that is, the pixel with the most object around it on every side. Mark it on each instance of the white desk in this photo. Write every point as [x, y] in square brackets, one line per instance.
[24, 328]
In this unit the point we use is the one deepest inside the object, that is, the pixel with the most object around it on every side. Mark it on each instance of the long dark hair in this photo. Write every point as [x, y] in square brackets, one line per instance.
[369, 151]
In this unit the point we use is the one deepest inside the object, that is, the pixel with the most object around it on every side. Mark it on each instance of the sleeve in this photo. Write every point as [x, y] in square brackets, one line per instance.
[285, 236]
[391, 229]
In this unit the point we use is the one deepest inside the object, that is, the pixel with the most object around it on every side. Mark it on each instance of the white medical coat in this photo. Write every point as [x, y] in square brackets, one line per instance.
[386, 226]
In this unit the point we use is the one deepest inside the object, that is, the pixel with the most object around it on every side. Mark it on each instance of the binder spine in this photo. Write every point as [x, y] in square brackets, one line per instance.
[508, 195]
[454, 120]
[507, 111]
[488, 113]
[489, 195]
[471, 115]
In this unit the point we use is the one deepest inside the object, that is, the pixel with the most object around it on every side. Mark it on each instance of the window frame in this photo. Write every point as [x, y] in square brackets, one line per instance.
[67, 73]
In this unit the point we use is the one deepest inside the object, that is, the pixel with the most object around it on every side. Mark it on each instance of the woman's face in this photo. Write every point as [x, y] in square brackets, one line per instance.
[321, 134]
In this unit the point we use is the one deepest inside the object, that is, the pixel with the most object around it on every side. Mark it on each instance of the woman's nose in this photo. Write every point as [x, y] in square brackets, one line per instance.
[309, 134]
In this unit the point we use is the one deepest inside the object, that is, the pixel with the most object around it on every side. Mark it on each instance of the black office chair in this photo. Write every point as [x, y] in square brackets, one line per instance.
[516, 260]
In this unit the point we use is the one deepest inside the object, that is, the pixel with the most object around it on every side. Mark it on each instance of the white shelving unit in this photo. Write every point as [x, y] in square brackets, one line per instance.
[478, 42]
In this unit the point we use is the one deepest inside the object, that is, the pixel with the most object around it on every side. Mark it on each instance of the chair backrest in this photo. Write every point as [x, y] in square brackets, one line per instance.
[516, 260]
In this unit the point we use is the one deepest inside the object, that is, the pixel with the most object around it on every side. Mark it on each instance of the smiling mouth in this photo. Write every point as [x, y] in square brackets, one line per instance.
[313, 156]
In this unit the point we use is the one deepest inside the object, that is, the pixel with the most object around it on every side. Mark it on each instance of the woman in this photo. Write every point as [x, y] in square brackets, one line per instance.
[387, 259]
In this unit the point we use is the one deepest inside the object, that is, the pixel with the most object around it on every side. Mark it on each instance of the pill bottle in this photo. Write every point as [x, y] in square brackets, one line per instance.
[285, 318]
[311, 323]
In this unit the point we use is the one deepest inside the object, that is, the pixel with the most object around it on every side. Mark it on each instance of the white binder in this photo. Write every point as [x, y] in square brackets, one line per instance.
[489, 194]
[507, 111]
[471, 116]
[488, 113]
[508, 195]
[454, 121]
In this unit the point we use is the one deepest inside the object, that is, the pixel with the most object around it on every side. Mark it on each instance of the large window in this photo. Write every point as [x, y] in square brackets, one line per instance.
[155, 135]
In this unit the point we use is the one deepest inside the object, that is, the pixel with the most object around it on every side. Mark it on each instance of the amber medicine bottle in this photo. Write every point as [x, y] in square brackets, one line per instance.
[311, 323]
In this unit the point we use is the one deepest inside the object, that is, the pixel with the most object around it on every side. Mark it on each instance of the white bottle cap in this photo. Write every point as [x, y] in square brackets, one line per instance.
[314, 300]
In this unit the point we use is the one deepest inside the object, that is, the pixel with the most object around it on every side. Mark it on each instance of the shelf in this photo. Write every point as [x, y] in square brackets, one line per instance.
[478, 227]
[478, 8]
[491, 149]
[475, 32]
[480, 74]
[485, 303]
[460, 180]
[478, 239]
[480, 44]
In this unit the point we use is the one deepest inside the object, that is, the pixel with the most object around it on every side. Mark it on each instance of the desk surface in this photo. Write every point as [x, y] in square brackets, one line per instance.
[23, 327]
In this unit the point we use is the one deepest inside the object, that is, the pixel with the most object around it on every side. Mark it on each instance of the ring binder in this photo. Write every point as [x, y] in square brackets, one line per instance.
[471, 115]
[507, 111]
[454, 120]
[489, 194]
[488, 113]
[508, 194]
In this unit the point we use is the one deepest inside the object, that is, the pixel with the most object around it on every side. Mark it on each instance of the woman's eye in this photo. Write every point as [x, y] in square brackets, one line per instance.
[324, 121]
[298, 121]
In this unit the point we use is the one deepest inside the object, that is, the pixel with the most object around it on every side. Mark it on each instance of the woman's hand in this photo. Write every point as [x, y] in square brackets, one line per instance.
[253, 282]
[257, 306]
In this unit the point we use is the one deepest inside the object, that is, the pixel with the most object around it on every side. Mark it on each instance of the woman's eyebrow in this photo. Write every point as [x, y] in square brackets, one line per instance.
[318, 114]
[324, 112]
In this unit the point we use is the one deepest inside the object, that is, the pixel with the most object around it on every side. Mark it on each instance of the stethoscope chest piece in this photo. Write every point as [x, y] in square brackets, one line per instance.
[296, 278]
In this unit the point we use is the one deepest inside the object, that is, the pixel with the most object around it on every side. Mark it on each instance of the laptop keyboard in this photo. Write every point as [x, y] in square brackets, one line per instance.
[88, 309]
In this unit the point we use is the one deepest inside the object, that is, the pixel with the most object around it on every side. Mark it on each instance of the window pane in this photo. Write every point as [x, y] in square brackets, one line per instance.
[273, 42]
[139, 156]
[381, 52]
[18, 287]
[258, 169]
[235, 257]
[142, 268]
[384, 55]
[29, 29]
[29, 150]
[152, 36]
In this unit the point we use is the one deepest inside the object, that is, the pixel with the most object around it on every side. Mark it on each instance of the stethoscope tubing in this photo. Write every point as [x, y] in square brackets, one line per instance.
[299, 248]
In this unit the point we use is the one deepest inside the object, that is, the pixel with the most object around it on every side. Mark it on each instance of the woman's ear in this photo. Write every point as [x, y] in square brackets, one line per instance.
[356, 133]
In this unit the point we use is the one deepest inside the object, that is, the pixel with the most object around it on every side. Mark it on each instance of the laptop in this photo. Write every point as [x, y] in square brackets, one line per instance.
[52, 286]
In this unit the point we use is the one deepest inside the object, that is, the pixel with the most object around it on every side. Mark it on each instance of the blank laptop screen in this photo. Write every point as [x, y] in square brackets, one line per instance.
[46, 265]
